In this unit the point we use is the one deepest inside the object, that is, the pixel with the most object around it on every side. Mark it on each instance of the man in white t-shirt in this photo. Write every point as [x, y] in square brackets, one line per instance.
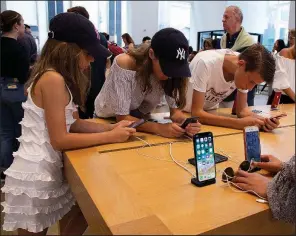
[216, 73]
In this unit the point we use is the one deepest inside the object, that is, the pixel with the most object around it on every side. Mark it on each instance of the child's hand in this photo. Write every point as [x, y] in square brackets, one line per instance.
[269, 163]
[121, 132]
[193, 128]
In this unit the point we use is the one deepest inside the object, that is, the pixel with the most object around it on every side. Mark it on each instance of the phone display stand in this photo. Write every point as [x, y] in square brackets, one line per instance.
[202, 184]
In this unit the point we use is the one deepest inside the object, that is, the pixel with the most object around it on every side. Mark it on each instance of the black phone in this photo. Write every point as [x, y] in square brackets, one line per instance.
[137, 123]
[188, 121]
[203, 145]
[218, 159]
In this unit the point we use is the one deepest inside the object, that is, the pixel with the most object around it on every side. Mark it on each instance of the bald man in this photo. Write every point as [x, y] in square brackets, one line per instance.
[237, 39]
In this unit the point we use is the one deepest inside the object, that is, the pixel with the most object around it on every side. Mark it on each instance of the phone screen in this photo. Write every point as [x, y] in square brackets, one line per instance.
[253, 149]
[204, 156]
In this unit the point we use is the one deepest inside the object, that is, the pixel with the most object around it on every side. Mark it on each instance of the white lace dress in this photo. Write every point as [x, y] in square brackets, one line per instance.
[36, 193]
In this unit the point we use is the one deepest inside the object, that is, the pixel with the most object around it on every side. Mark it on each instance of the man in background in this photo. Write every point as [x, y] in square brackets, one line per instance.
[146, 39]
[29, 44]
[236, 39]
[98, 69]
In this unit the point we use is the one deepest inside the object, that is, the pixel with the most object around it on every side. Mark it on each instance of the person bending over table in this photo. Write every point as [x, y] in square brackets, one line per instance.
[279, 191]
[216, 73]
[139, 79]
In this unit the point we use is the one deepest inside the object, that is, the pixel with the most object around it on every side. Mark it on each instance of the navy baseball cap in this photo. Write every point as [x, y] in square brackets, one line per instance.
[74, 28]
[171, 48]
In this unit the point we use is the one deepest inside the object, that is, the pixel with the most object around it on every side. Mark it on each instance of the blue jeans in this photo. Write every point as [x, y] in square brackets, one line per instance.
[11, 114]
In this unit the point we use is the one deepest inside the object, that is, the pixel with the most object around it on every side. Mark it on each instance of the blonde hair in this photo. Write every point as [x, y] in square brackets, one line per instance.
[63, 58]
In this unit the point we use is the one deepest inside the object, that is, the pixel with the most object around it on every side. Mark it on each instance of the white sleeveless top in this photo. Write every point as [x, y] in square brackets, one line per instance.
[284, 76]
[36, 193]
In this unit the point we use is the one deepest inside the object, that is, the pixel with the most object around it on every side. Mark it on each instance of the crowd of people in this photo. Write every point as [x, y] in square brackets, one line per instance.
[81, 74]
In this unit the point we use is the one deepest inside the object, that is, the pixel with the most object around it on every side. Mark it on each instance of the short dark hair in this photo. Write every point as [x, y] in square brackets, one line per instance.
[259, 59]
[8, 19]
[190, 49]
[27, 26]
[79, 10]
[107, 36]
[146, 38]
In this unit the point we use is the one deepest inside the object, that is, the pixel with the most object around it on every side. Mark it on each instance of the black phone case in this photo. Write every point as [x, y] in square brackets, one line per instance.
[188, 121]
[204, 183]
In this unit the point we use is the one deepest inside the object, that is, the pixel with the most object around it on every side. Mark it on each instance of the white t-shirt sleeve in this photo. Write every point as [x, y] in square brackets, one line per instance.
[199, 76]
[281, 80]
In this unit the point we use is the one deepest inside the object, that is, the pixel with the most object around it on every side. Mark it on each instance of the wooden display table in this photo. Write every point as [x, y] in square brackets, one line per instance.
[125, 192]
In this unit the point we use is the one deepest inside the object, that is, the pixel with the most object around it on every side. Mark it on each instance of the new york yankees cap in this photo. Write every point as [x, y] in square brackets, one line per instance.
[171, 48]
[74, 28]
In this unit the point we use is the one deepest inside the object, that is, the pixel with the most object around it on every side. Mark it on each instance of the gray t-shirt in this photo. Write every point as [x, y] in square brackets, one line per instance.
[122, 94]
[281, 193]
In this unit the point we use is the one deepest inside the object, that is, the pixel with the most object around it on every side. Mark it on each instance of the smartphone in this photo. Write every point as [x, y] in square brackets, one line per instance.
[203, 146]
[276, 100]
[188, 121]
[252, 144]
[137, 123]
[218, 159]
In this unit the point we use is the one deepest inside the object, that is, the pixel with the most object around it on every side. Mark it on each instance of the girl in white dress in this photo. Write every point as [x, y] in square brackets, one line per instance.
[36, 193]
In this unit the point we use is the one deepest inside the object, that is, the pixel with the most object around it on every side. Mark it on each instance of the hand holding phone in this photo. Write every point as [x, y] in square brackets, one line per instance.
[188, 121]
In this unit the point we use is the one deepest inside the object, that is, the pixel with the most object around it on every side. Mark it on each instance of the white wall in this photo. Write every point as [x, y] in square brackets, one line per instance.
[255, 15]
[205, 15]
[292, 15]
[26, 8]
[143, 19]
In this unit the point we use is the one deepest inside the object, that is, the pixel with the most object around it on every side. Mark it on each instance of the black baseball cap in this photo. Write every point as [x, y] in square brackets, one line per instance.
[171, 48]
[74, 28]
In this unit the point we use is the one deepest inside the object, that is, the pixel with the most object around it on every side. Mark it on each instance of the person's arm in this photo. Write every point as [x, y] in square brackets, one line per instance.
[170, 130]
[216, 120]
[54, 98]
[290, 93]
[243, 111]
[281, 192]
[84, 126]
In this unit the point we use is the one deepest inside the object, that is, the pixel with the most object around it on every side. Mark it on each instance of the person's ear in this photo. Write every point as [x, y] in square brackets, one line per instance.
[151, 54]
[241, 63]
[16, 27]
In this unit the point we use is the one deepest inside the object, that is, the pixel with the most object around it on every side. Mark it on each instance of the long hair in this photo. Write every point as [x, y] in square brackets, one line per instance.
[128, 38]
[281, 45]
[63, 58]
[173, 87]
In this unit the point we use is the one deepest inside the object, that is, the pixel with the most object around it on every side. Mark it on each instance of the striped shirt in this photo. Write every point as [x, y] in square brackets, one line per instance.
[122, 94]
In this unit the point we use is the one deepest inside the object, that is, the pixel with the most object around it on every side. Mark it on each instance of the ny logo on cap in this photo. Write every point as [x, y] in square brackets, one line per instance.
[181, 54]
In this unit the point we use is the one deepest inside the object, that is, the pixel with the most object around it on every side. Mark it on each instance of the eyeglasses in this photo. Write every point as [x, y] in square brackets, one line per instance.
[228, 173]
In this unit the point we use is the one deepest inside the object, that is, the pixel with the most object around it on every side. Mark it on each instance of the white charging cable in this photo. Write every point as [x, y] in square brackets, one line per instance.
[184, 167]
[171, 155]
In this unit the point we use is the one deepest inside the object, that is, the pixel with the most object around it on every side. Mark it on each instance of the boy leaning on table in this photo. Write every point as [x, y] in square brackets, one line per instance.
[216, 73]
